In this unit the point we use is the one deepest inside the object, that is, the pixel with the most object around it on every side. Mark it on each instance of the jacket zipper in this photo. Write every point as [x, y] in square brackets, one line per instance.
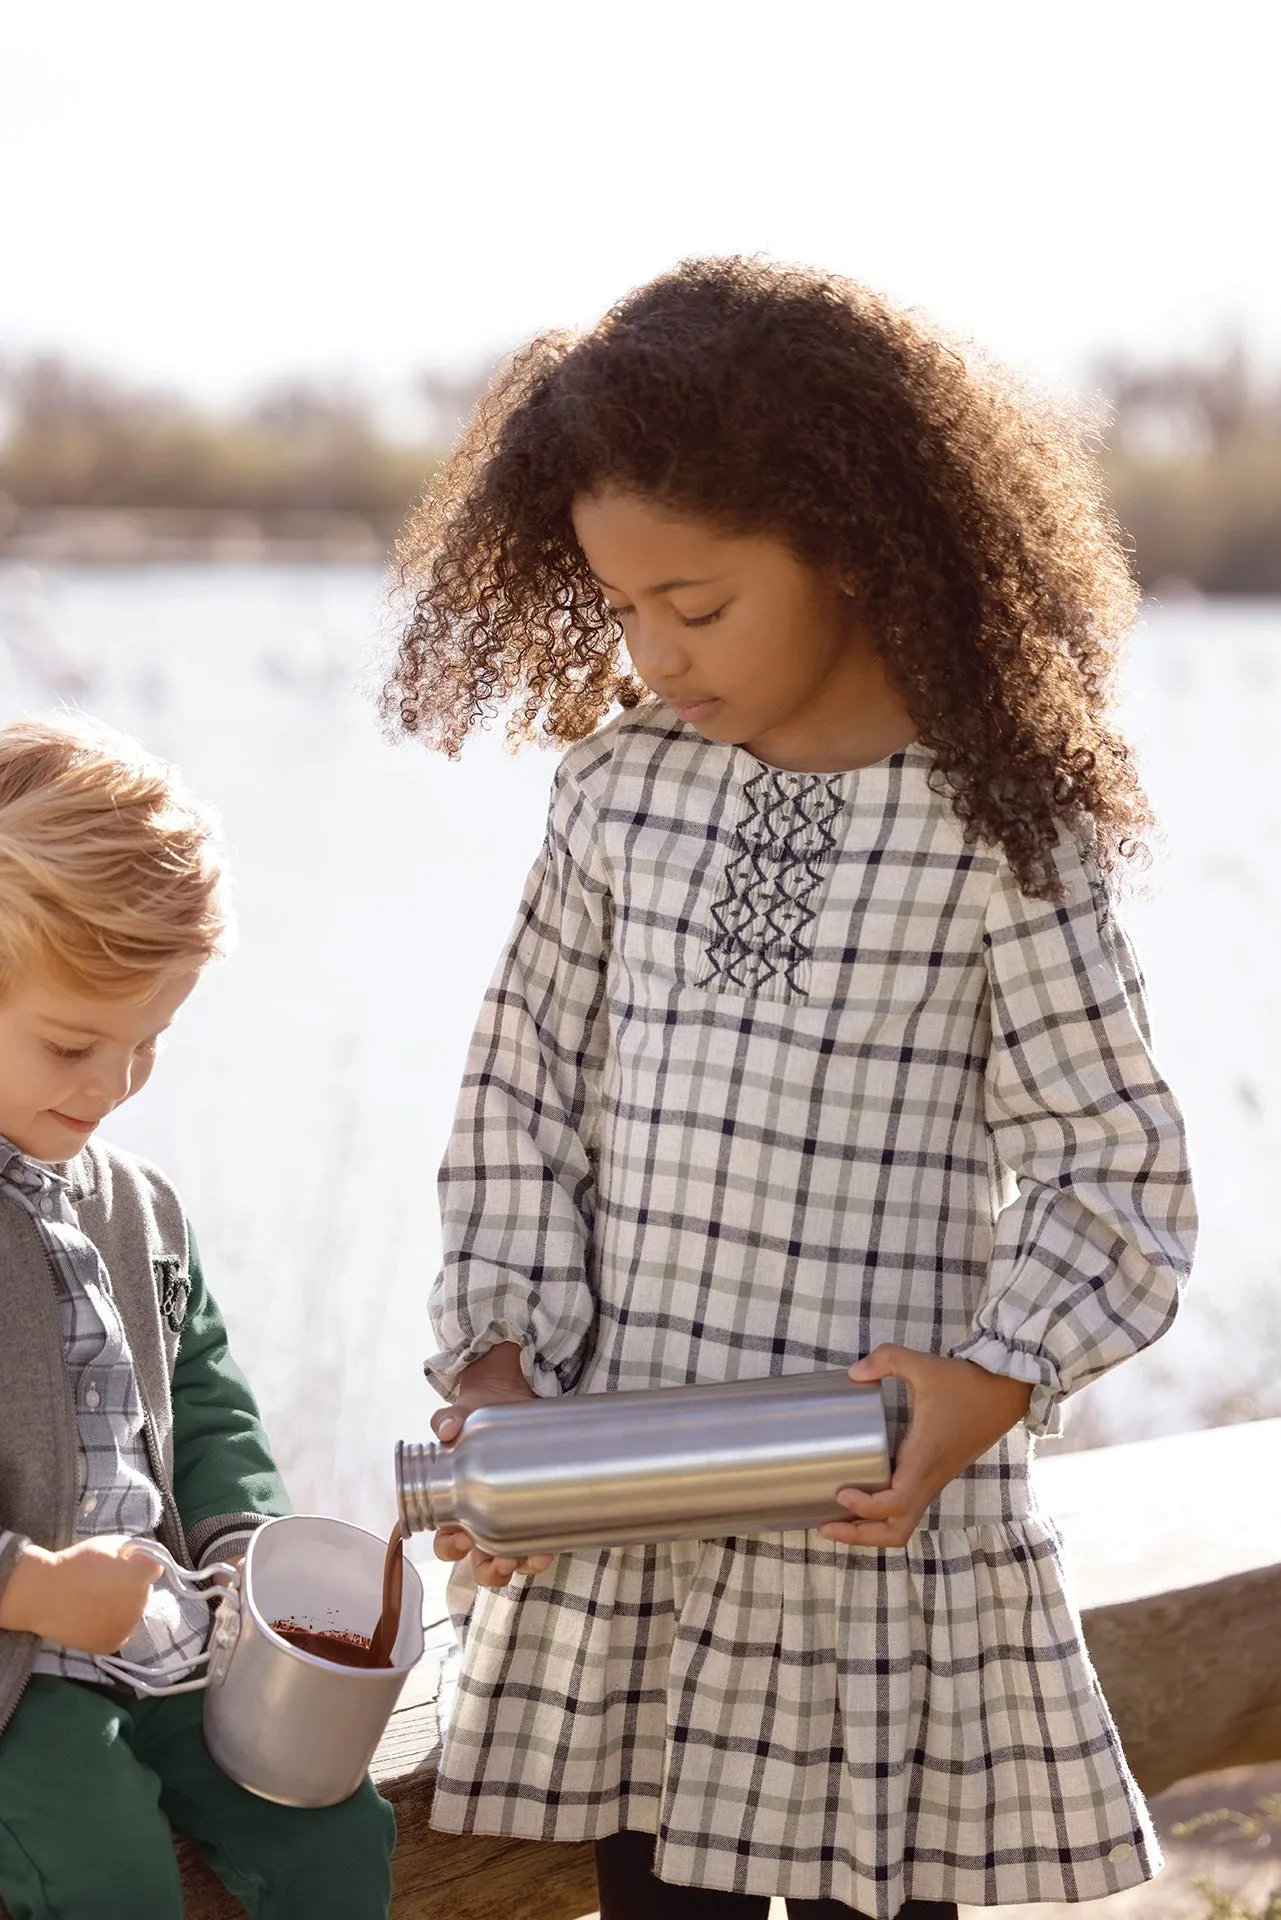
[16, 1702]
[7, 1714]
[169, 1506]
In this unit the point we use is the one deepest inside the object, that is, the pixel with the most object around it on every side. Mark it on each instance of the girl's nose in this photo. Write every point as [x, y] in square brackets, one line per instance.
[658, 653]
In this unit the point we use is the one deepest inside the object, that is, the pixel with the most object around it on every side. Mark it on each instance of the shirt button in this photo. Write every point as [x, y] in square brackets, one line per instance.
[46, 1207]
[90, 1502]
[92, 1398]
[1122, 1851]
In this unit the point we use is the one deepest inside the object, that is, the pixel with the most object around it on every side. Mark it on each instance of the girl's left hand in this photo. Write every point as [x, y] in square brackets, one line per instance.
[958, 1412]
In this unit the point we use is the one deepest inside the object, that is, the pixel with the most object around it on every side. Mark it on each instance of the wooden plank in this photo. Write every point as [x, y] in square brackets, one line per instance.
[473, 1878]
[1193, 1677]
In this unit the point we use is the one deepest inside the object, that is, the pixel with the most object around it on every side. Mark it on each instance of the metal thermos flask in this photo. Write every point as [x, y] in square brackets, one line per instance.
[626, 1469]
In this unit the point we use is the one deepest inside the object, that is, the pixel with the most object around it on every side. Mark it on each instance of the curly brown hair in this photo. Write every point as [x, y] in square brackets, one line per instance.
[785, 401]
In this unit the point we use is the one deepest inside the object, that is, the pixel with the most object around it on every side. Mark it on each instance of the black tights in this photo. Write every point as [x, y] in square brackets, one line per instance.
[629, 1890]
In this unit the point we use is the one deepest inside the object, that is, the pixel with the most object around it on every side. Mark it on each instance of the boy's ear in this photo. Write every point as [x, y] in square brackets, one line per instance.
[172, 1289]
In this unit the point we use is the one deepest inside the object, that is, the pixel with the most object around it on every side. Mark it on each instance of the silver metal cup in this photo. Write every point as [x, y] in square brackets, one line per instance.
[285, 1724]
[289, 1726]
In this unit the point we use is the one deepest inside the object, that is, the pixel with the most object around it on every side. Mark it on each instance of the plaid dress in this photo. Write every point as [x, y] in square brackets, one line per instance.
[776, 1068]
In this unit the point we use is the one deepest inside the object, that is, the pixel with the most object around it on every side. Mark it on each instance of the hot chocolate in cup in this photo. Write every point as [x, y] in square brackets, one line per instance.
[284, 1722]
[339, 1644]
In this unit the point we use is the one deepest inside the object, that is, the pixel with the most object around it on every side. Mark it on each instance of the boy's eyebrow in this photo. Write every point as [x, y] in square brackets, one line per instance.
[664, 586]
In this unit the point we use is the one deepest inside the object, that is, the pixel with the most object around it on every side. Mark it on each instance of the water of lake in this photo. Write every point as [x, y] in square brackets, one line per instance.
[305, 1096]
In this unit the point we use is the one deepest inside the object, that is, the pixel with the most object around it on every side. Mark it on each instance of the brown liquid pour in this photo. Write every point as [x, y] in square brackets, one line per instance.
[346, 1649]
[385, 1633]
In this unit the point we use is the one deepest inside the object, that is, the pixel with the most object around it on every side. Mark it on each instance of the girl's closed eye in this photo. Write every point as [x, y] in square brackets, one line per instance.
[686, 620]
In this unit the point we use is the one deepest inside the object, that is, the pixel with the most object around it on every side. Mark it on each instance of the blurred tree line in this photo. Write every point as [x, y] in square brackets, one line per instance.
[1194, 464]
[1193, 457]
[72, 438]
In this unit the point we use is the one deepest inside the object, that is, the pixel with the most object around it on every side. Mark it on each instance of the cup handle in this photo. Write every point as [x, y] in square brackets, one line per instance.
[186, 1579]
[131, 1674]
[226, 1596]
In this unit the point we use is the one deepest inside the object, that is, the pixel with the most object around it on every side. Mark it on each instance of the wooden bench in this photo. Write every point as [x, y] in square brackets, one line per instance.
[1175, 1549]
[436, 1874]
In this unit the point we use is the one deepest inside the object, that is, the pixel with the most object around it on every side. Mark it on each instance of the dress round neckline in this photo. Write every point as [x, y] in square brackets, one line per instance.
[889, 763]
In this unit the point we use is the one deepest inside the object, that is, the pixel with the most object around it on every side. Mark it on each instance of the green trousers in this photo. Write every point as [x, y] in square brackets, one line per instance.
[90, 1782]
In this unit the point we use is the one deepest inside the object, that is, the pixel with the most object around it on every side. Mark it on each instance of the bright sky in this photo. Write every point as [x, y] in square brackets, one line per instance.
[208, 196]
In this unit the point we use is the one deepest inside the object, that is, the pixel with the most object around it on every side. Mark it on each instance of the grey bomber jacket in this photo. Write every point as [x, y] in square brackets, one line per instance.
[209, 1454]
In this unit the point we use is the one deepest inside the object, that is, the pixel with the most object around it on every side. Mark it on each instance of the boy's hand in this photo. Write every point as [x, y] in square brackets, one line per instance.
[493, 1379]
[89, 1597]
[958, 1412]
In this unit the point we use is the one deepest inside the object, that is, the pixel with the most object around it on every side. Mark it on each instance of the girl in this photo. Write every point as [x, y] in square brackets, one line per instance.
[816, 1040]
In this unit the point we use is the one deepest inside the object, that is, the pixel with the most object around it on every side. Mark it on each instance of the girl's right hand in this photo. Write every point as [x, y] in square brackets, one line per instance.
[495, 1378]
[89, 1597]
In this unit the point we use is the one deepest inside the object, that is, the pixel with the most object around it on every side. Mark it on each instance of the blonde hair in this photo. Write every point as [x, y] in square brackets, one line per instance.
[111, 874]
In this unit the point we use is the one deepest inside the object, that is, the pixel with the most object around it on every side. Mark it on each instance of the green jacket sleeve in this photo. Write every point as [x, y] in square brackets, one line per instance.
[225, 1480]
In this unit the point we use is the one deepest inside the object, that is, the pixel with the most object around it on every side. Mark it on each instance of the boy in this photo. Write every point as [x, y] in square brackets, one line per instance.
[122, 1413]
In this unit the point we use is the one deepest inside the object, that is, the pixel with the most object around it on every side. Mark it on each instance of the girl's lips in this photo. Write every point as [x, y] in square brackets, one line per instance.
[693, 709]
[69, 1120]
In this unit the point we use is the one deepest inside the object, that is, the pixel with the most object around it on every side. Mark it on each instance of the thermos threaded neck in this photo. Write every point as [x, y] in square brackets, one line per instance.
[424, 1485]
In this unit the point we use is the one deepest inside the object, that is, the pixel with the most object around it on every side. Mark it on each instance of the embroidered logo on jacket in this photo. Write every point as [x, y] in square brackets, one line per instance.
[172, 1288]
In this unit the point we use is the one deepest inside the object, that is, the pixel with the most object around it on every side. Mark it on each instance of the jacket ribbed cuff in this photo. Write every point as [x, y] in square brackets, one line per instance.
[224, 1536]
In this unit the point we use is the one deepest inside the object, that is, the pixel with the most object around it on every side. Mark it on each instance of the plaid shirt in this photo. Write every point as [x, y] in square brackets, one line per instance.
[118, 1493]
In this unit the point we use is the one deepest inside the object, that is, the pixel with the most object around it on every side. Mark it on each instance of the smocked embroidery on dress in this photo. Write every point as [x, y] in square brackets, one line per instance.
[784, 847]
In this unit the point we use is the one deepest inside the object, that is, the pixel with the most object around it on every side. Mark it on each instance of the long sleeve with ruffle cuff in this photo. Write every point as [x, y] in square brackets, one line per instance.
[518, 1184]
[1096, 1236]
